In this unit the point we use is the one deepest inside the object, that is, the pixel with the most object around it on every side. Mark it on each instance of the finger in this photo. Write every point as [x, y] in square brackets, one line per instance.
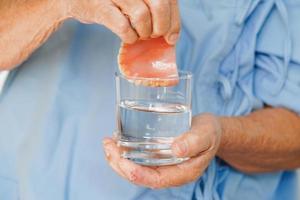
[124, 167]
[137, 174]
[112, 18]
[191, 144]
[202, 137]
[194, 166]
[113, 155]
[139, 15]
[166, 176]
[144, 176]
[173, 34]
[161, 16]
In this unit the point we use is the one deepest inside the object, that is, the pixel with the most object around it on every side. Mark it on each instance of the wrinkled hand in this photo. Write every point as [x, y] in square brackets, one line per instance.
[130, 19]
[200, 143]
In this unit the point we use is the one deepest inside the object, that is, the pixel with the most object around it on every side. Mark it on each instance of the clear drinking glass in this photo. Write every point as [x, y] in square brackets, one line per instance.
[149, 118]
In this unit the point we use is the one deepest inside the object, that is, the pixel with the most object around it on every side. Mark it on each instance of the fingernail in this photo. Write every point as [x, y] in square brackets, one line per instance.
[173, 38]
[180, 148]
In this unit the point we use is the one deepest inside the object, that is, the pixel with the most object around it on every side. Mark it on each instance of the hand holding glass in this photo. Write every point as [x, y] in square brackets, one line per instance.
[149, 118]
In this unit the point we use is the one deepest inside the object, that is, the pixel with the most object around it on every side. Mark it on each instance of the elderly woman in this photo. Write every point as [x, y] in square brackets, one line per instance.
[55, 107]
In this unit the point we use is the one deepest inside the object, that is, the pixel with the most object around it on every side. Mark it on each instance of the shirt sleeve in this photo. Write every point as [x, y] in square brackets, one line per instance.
[277, 58]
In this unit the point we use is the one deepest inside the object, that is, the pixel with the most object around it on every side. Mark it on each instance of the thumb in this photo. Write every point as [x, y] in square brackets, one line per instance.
[202, 137]
[190, 144]
[173, 34]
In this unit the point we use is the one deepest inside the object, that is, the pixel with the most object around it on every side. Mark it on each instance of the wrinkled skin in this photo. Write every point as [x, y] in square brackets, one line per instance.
[200, 143]
[22, 30]
[131, 19]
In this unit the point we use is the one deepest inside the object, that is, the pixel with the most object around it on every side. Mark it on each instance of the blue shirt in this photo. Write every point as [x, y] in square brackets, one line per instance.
[60, 103]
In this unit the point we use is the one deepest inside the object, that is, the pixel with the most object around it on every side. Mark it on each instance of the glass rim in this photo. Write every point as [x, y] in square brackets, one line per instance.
[182, 75]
